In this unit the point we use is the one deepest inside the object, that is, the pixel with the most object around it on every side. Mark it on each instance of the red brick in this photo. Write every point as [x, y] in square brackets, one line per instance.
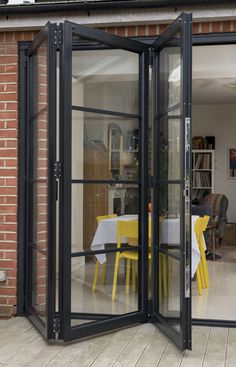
[11, 236]
[131, 31]
[11, 88]
[8, 152]
[120, 31]
[8, 190]
[11, 143]
[8, 172]
[152, 30]
[196, 27]
[8, 264]
[9, 36]
[141, 30]
[8, 209]
[7, 291]
[8, 78]
[162, 28]
[4, 133]
[216, 26]
[226, 26]
[11, 182]
[6, 115]
[8, 96]
[11, 163]
[205, 27]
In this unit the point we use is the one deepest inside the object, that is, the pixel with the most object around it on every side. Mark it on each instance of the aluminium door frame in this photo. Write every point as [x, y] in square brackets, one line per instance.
[140, 49]
[198, 40]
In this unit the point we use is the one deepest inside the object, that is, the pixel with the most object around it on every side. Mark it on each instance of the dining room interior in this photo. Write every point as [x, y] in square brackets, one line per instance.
[105, 146]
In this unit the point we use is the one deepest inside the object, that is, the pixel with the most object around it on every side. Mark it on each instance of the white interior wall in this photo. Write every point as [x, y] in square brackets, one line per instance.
[219, 121]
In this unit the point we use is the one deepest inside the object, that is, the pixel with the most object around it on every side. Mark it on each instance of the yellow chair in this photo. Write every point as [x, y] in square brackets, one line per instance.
[202, 269]
[98, 219]
[128, 230]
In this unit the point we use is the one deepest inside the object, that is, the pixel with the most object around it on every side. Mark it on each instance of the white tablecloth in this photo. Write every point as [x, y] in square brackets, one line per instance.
[107, 233]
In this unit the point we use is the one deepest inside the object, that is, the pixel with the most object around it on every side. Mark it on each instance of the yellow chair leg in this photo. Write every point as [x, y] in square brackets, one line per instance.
[205, 270]
[160, 280]
[104, 273]
[164, 274]
[199, 283]
[127, 276]
[115, 277]
[133, 276]
[95, 278]
[202, 274]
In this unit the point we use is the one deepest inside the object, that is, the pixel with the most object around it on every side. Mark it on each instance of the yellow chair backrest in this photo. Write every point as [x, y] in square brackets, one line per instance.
[206, 219]
[108, 216]
[127, 229]
[200, 227]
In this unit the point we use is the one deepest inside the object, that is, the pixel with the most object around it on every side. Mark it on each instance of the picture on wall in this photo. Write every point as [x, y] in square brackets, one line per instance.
[232, 162]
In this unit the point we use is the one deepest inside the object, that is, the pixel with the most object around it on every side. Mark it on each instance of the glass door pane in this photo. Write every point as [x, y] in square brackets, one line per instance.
[40, 236]
[103, 124]
[171, 191]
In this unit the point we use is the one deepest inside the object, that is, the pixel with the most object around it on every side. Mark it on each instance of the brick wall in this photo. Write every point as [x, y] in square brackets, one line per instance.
[9, 143]
[9, 161]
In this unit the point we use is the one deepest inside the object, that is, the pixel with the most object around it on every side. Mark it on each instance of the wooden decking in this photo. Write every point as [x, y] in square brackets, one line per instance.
[141, 345]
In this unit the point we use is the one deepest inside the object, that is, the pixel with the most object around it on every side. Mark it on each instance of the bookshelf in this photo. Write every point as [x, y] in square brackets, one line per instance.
[203, 172]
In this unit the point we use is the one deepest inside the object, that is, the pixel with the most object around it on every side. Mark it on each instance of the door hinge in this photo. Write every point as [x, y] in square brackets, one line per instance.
[57, 169]
[56, 325]
[150, 57]
[58, 36]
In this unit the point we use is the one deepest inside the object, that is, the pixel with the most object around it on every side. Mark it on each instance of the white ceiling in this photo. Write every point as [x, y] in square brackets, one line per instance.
[214, 71]
[214, 74]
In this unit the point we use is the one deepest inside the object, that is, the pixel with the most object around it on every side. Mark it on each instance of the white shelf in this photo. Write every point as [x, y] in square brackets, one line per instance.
[203, 172]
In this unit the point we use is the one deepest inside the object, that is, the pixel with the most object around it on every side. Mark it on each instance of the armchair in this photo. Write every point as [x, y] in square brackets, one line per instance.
[214, 205]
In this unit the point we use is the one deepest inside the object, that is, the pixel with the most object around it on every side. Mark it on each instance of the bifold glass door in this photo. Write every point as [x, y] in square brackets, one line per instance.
[40, 181]
[103, 169]
[171, 188]
[112, 252]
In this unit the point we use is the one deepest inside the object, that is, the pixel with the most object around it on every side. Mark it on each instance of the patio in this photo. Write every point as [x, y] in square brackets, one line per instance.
[141, 345]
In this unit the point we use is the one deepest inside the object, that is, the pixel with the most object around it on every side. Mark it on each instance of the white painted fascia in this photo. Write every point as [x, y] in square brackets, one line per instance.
[117, 17]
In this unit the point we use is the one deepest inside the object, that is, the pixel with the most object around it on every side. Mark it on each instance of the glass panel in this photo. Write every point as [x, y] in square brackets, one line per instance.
[38, 156]
[106, 80]
[39, 283]
[169, 289]
[170, 77]
[94, 295]
[40, 216]
[40, 75]
[104, 147]
[92, 200]
[169, 147]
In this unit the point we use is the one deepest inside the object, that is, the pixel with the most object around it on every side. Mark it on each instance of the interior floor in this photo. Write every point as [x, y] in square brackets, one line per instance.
[217, 302]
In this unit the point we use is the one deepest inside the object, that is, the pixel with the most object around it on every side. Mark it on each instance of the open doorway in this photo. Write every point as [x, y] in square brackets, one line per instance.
[213, 174]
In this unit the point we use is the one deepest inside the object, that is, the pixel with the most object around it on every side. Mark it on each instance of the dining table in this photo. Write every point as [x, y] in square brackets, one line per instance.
[106, 233]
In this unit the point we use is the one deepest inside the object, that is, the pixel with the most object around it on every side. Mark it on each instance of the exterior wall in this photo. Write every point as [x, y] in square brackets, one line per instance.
[9, 131]
[9, 162]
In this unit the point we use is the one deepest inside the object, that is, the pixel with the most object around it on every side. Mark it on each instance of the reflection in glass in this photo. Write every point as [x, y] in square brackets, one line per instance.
[40, 216]
[92, 200]
[170, 77]
[90, 297]
[169, 148]
[106, 80]
[40, 84]
[169, 289]
[38, 156]
[104, 147]
[39, 283]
